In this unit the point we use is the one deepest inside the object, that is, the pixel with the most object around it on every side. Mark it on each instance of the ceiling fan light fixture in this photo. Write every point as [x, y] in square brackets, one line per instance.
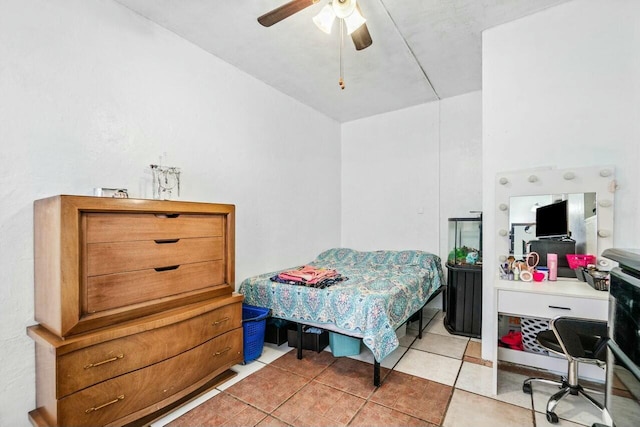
[343, 8]
[324, 20]
[354, 21]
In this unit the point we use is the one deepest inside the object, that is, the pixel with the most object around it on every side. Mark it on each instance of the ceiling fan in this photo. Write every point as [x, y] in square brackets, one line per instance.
[346, 10]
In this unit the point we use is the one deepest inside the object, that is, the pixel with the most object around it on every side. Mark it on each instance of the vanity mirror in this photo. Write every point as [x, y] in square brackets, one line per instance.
[589, 195]
[579, 222]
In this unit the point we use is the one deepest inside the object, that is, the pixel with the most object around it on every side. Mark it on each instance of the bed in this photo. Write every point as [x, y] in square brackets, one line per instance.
[384, 289]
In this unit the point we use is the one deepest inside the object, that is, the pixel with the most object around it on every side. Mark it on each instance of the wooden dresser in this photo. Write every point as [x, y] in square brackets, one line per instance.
[136, 307]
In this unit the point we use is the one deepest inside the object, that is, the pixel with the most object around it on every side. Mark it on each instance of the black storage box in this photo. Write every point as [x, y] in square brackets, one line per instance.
[310, 341]
[463, 301]
[276, 331]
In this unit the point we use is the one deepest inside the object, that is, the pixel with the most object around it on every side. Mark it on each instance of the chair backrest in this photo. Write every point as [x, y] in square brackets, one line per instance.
[581, 338]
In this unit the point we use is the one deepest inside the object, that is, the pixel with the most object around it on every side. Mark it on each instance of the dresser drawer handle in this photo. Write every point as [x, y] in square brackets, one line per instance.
[171, 215]
[113, 359]
[165, 241]
[223, 351]
[217, 322]
[557, 307]
[97, 408]
[170, 267]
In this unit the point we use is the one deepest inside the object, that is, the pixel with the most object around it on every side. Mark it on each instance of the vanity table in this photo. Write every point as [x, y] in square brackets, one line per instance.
[566, 296]
[546, 300]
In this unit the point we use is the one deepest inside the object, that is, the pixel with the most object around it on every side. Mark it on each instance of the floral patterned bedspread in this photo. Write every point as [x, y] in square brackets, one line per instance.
[384, 289]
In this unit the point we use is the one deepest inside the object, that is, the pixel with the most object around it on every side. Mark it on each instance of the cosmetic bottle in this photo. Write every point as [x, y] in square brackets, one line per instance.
[552, 263]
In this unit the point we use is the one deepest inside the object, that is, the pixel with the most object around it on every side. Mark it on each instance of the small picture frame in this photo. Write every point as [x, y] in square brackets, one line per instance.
[117, 193]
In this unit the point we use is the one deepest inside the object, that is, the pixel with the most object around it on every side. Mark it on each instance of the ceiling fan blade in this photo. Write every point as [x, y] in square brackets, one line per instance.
[361, 37]
[284, 11]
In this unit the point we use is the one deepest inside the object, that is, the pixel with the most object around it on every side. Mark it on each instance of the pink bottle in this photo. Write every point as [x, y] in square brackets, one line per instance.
[552, 263]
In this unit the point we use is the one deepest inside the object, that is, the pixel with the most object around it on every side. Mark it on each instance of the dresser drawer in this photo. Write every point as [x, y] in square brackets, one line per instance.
[120, 227]
[118, 397]
[546, 306]
[124, 289]
[82, 368]
[119, 257]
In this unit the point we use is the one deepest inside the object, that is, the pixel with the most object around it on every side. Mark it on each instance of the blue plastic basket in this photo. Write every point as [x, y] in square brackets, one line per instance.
[253, 326]
[342, 345]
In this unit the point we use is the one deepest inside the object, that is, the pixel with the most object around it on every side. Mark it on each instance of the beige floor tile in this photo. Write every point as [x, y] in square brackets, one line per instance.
[541, 421]
[626, 410]
[478, 379]
[441, 344]
[431, 366]
[271, 352]
[428, 314]
[436, 326]
[409, 338]
[469, 409]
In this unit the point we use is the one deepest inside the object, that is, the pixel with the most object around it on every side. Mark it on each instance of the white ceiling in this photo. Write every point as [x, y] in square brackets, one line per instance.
[422, 50]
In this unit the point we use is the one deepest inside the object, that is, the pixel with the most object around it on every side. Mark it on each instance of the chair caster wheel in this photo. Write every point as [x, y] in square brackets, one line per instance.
[552, 417]
[526, 388]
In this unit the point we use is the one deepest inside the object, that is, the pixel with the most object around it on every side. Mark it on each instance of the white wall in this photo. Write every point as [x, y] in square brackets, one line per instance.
[420, 159]
[460, 161]
[91, 94]
[390, 172]
[562, 88]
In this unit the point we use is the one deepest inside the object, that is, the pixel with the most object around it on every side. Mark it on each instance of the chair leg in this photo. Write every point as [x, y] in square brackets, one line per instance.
[553, 400]
[565, 389]
[592, 391]
[526, 386]
[594, 402]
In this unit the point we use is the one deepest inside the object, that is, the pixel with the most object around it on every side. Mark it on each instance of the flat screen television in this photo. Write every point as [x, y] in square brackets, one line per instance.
[552, 220]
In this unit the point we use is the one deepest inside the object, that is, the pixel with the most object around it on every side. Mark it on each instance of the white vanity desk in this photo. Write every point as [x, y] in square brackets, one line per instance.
[549, 299]
[546, 300]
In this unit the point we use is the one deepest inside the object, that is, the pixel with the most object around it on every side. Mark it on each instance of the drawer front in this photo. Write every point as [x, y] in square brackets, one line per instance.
[544, 306]
[120, 290]
[115, 398]
[83, 368]
[120, 257]
[122, 227]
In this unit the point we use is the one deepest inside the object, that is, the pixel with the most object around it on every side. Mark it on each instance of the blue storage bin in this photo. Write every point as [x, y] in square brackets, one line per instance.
[342, 345]
[254, 320]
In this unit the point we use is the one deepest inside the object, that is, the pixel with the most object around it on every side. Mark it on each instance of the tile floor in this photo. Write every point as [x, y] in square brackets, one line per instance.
[439, 380]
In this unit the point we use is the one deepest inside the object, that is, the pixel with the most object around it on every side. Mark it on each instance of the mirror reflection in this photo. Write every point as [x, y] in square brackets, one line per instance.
[579, 225]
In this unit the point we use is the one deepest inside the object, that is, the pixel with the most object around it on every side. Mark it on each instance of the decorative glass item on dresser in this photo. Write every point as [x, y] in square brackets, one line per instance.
[463, 299]
[166, 179]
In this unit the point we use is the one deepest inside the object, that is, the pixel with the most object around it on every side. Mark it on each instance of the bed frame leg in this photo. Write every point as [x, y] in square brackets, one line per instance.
[376, 373]
[420, 324]
[299, 344]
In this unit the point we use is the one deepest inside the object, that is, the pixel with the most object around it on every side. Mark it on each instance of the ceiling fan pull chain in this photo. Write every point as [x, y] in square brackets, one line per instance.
[341, 81]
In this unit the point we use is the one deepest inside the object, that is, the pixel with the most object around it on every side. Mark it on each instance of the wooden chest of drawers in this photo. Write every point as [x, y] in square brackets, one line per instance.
[99, 261]
[135, 303]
